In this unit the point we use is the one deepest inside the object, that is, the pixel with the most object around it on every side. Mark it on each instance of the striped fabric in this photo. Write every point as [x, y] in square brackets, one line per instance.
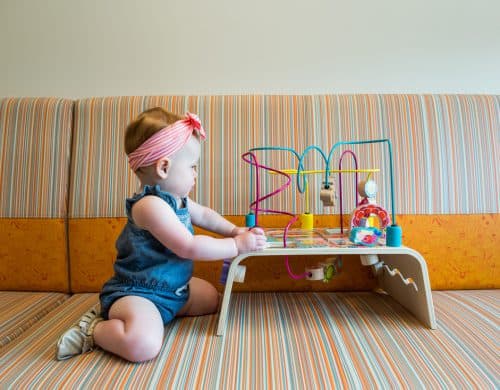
[21, 310]
[446, 149]
[166, 142]
[284, 340]
[35, 136]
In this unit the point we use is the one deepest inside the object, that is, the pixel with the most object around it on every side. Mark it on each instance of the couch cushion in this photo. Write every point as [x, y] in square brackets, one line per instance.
[35, 136]
[289, 340]
[437, 141]
[21, 310]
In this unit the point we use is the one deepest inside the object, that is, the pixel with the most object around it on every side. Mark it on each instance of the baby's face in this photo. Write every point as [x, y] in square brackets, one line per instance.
[182, 172]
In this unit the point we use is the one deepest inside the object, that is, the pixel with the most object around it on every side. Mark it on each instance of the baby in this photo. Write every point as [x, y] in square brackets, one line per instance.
[152, 281]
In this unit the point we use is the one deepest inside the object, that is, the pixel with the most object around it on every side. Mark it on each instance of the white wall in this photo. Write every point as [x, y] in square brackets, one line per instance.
[127, 47]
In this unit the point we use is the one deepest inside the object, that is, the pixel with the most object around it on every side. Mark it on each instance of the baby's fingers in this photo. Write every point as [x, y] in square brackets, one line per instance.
[258, 231]
[260, 238]
[260, 242]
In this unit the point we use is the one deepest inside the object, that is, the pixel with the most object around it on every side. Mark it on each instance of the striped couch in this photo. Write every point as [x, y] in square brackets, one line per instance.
[64, 178]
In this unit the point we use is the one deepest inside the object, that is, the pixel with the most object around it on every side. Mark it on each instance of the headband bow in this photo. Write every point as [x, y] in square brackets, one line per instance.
[166, 142]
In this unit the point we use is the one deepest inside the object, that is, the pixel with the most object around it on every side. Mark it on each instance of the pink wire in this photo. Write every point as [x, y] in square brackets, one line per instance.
[340, 185]
[255, 204]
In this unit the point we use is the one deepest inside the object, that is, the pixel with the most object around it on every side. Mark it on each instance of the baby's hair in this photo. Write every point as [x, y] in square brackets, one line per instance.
[146, 124]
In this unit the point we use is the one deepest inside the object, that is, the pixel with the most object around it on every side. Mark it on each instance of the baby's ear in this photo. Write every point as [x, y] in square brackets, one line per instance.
[162, 166]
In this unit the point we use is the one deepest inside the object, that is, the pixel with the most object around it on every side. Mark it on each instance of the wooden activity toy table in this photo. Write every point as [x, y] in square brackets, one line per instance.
[400, 271]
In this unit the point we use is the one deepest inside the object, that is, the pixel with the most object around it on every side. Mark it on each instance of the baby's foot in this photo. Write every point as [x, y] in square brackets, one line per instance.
[79, 338]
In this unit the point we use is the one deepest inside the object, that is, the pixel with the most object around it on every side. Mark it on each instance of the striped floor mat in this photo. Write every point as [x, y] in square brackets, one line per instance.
[21, 310]
[283, 340]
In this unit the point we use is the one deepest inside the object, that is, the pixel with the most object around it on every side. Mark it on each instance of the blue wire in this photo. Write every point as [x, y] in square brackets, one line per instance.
[301, 167]
[283, 149]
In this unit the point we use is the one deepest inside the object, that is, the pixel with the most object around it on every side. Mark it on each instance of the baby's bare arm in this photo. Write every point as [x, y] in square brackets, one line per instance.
[153, 214]
[210, 220]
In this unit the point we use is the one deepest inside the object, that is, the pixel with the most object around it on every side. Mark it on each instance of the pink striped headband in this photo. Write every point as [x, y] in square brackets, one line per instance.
[166, 142]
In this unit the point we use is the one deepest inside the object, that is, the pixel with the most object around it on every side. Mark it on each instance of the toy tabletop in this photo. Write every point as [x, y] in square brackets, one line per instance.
[315, 238]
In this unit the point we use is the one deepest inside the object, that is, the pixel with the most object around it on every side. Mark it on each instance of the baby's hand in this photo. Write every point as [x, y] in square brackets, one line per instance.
[238, 230]
[250, 241]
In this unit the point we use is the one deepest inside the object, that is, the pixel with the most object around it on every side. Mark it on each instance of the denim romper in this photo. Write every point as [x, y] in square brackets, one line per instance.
[146, 268]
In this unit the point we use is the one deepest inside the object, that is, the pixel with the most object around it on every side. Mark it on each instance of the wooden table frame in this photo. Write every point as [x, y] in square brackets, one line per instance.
[400, 271]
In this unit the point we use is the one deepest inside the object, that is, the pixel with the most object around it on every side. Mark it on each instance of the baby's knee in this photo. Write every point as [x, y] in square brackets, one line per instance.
[141, 348]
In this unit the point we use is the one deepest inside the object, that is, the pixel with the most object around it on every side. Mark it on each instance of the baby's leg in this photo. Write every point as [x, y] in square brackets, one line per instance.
[134, 330]
[203, 299]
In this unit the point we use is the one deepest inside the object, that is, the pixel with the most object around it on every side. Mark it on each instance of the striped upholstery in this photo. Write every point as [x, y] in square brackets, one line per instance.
[21, 310]
[446, 148]
[284, 340]
[35, 137]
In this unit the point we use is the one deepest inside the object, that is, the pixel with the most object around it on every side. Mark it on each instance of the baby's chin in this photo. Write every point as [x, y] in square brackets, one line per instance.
[186, 195]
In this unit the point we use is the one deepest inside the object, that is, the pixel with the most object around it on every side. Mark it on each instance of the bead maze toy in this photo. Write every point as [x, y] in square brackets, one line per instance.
[373, 232]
